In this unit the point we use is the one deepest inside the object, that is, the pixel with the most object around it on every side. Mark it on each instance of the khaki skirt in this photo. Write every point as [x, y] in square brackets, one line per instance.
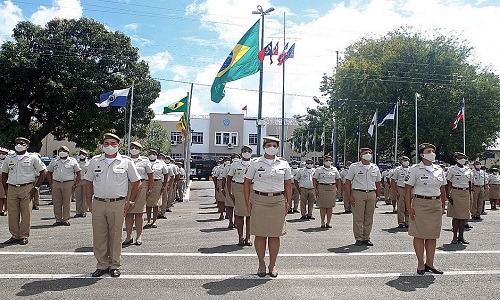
[228, 200]
[140, 201]
[155, 198]
[240, 207]
[460, 209]
[494, 191]
[327, 194]
[428, 219]
[267, 218]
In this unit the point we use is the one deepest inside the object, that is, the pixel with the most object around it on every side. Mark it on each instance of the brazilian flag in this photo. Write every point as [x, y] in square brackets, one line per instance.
[242, 61]
[177, 106]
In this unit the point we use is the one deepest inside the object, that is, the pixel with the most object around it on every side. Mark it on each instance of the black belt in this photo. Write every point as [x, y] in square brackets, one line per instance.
[237, 182]
[64, 181]
[326, 183]
[366, 191]
[269, 194]
[23, 184]
[109, 199]
[157, 179]
[461, 189]
[427, 197]
[307, 188]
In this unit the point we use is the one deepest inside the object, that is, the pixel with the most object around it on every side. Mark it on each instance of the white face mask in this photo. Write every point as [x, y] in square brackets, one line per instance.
[167, 161]
[81, 157]
[405, 163]
[20, 148]
[153, 157]
[328, 163]
[309, 166]
[226, 163]
[430, 156]
[367, 156]
[110, 150]
[135, 151]
[2, 156]
[246, 155]
[63, 154]
[271, 151]
[462, 161]
[294, 166]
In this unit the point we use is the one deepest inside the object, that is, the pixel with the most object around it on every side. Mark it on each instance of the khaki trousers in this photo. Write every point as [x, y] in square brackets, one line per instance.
[362, 214]
[61, 197]
[295, 197]
[171, 196]
[107, 224]
[80, 198]
[307, 198]
[347, 203]
[164, 200]
[403, 216]
[36, 197]
[180, 189]
[477, 201]
[19, 207]
[387, 196]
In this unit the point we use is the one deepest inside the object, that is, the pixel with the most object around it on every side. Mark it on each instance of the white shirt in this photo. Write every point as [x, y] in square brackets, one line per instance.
[22, 170]
[362, 178]
[459, 177]
[268, 178]
[63, 169]
[305, 178]
[238, 170]
[326, 175]
[424, 182]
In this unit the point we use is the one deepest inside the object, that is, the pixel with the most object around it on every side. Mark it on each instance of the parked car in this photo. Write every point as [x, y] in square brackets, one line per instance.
[203, 169]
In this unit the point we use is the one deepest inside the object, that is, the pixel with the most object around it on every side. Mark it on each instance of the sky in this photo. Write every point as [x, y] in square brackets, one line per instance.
[186, 41]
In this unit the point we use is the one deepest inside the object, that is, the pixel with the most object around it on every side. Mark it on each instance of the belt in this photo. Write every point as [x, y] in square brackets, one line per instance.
[269, 194]
[306, 188]
[494, 183]
[109, 199]
[479, 186]
[366, 191]
[237, 182]
[157, 179]
[461, 189]
[326, 183]
[427, 197]
[64, 181]
[23, 184]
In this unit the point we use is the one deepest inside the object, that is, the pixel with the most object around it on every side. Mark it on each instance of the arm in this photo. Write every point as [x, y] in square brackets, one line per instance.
[288, 195]
[223, 185]
[378, 188]
[5, 176]
[394, 187]
[348, 192]
[411, 212]
[77, 179]
[51, 179]
[229, 182]
[447, 192]
[443, 197]
[246, 193]
[315, 185]
[136, 186]
[89, 192]
[338, 183]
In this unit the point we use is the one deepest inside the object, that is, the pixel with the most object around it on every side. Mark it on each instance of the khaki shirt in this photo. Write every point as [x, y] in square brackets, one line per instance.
[305, 178]
[238, 170]
[459, 177]
[478, 177]
[182, 173]
[426, 183]
[159, 169]
[83, 166]
[294, 172]
[343, 174]
[142, 166]
[399, 175]
[363, 178]
[269, 177]
[22, 170]
[169, 170]
[218, 172]
[326, 175]
[225, 170]
[64, 169]
[493, 179]
[111, 180]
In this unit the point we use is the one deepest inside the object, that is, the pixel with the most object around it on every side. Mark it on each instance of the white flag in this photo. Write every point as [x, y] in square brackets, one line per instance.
[372, 124]
[389, 116]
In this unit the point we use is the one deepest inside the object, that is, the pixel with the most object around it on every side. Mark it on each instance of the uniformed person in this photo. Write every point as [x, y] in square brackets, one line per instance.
[326, 180]
[486, 189]
[160, 180]
[425, 206]
[173, 184]
[64, 175]
[459, 178]
[304, 184]
[392, 192]
[386, 180]
[343, 174]
[229, 202]
[166, 190]
[107, 179]
[3, 195]
[235, 180]
[494, 188]
[268, 203]
[181, 185]
[135, 214]
[398, 185]
[80, 198]
[363, 190]
[221, 199]
[18, 179]
[477, 196]
[214, 180]
[295, 191]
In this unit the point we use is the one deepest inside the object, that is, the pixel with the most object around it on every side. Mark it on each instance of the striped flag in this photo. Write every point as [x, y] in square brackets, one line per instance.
[460, 116]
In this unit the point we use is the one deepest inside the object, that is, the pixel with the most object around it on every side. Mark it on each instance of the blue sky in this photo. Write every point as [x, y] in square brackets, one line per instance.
[187, 40]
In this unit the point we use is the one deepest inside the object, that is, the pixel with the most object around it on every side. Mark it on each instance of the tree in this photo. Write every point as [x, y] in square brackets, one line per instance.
[156, 138]
[53, 75]
[378, 72]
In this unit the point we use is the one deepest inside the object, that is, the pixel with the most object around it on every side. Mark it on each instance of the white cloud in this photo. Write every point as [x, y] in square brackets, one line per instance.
[159, 61]
[64, 9]
[10, 15]
[140, 41]
[131, 27]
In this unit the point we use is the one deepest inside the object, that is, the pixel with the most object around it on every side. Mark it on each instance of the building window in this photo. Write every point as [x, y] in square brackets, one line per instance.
[225, 138]
[176, 137]
[176, 156]
[252, 139]
[197, 138]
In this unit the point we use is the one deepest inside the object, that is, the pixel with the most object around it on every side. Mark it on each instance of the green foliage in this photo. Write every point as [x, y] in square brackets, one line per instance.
[53, 75]
[156, 138]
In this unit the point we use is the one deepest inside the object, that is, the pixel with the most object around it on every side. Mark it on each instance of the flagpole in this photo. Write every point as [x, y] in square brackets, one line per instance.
[396, 140]
[359, 133]
[345, 144]
[130, 118]
[376, 136]
[323, 140]
[283, 97]
[463, 105]
[187, 160]
[416, 128]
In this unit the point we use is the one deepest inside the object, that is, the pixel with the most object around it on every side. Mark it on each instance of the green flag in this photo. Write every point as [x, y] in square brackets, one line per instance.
[241, 62]
[177, 106]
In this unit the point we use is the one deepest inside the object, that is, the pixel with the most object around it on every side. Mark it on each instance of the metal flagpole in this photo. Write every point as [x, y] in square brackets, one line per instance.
[463, 105]
[416, 128]
[345, 145]
[283, 99]
[187, 158]
[396, 140]
[376, 136]
[359, 133]
[130, 118]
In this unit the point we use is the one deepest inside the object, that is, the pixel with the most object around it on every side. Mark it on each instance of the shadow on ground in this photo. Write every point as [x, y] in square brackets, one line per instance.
[232, 285]
[405, 283]
[348, 249]
[221, 249]
[57, 285]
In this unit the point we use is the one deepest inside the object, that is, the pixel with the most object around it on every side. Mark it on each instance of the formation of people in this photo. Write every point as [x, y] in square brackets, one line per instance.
[254, 194]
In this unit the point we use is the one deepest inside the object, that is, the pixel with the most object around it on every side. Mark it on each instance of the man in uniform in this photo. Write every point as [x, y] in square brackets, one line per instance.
[80, 198]
[181, 185]
[398, 185]
[478, 184]
[304, 184]
[107, 179]
[343, 174]
[64, 175]
[174, 183]
[36, 195]
[363, 191]
[18, 175]
[386, 184]
[295, 191]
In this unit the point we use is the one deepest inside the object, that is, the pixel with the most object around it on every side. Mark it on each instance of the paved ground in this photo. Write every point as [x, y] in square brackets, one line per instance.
[193, 255]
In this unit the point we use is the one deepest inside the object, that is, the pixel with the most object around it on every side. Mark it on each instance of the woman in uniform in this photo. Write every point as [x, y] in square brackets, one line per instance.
[494, 188]
[326, 180]
[268, 203]
[160, 177]
[426, 207]
[135, 214]
[458, 193]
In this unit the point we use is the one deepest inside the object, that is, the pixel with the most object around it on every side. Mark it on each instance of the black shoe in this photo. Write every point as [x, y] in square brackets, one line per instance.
[99, 273]
[78, 216]
[311, 218]
[359, 243]
[462, 241]
[168, 210]
[483, 213]
[273, 274]
[420, 272]
[328, 226]
[454, 241]
[401, 226]
[295, 211]
[368, 243]
[115, 273]
[57, 223]
[84, 215]
[323, 226]
[433, 270]
[51, 203]
[290, 211]
[35, 207]
[468, 226]
[66, 223]
[138, 243]
[161, 217]
[23, 241]
[303, 217]
[129, 242]
[11, 241]
[146, 226]
[406, 226]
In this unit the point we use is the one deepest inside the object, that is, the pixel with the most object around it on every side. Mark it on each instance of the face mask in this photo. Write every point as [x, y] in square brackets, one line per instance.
[110, 150]
[367, 156]
[430, 156]
[246, 155]
[63, 154]
[309, 166]
[271, 151]
[226, 163]
[405, 163]
[328, 163]
[153, 157]
[2, 156]
[20, 148]
[462, 161]
[167, 161]
[81, 157]
[135, 151]
[294, 166]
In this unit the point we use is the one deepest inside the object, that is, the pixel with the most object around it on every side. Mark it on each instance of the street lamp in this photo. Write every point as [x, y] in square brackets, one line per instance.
[262, 13]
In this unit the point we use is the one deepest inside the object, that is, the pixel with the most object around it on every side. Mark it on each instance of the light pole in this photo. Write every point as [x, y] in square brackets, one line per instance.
[262, 13]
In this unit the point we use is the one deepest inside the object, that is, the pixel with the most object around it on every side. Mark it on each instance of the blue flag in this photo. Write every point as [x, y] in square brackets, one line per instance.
[116, 98]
